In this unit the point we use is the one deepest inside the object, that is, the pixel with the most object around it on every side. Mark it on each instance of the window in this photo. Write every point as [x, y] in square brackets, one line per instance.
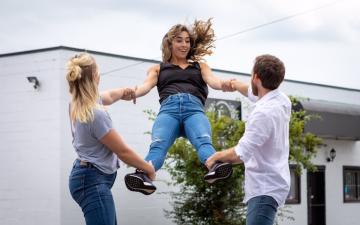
[351, 184]
[224, 107]
[294, 193]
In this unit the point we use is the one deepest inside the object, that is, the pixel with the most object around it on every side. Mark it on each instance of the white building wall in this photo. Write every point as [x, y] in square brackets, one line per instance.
[337, 212]
[348, 154]
[30, 141]
[37, 154]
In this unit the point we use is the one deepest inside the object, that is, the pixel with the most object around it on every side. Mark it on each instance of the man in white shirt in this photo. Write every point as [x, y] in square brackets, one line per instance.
[264, 147]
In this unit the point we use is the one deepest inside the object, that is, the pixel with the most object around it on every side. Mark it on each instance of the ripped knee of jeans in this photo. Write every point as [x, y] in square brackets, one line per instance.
[156, 140]
[204, 136]
[203, 139]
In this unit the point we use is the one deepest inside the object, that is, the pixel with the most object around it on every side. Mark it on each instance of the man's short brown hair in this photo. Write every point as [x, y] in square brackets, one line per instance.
[270, 70]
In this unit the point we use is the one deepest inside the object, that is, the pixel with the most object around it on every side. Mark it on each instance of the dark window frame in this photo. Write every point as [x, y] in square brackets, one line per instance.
[297, 199]
[234, 105]
[355, 169]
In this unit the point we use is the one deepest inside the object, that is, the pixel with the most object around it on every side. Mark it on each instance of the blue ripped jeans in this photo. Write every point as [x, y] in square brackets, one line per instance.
[180, 115]
[91, 190]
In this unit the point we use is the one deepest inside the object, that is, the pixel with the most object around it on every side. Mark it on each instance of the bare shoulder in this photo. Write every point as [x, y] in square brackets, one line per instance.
[204, 65]
[205, 69]
[154, 69]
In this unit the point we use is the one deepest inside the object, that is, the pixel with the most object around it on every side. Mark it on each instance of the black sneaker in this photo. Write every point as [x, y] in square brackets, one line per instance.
[139, 182]
[219, 171]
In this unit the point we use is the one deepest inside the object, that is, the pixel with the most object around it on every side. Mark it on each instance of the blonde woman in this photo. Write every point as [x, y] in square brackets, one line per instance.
[97, 144]
[182, 81]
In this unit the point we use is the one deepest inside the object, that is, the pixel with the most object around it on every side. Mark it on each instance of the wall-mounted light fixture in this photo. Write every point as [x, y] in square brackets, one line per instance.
[332, 155]
[34, 81]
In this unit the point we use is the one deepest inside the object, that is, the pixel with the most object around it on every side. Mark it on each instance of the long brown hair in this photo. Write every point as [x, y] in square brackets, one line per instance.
[202, 39]
[81, 71]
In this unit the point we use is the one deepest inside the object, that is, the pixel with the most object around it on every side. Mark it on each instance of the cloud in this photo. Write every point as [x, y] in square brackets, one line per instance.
[136, 28]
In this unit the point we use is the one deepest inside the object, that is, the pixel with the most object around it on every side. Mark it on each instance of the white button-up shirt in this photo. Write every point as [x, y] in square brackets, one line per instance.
[264, 147]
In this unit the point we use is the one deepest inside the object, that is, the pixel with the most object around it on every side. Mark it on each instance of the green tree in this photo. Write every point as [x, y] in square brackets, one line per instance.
[195, 201]
[303, 145]
[198, 202]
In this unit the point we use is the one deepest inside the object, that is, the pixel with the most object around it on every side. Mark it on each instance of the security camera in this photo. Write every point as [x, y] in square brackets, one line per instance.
[34, 81]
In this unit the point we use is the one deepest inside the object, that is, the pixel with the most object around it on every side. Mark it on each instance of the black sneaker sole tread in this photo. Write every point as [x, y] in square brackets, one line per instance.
[222, 172]
[134, 183]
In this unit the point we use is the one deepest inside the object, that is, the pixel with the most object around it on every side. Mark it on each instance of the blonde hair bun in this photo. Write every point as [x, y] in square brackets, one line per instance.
[75, 63]
[74, 71]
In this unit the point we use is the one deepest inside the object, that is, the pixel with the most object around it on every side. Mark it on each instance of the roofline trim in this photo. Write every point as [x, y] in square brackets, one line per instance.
[77, 50]
[61, 47]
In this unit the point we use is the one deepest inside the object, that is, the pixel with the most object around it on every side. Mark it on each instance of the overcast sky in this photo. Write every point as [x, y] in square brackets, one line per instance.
[321, 46]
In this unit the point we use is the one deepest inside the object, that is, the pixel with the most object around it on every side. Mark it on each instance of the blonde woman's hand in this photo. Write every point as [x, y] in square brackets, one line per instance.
[151, 173]
[134, 96]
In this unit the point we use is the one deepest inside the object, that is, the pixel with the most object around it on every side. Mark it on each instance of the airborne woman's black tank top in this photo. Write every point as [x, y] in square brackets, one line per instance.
[173, 80]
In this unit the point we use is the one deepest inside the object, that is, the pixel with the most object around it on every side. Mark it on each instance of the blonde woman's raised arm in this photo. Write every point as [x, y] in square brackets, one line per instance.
[109, 97]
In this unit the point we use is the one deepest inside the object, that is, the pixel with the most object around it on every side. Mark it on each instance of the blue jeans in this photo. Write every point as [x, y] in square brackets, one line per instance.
[90, 188]
[261, 210]
[180, 115]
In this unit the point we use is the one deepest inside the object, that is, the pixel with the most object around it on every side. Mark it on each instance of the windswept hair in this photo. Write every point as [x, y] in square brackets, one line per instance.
[81, 71]
[202, 39]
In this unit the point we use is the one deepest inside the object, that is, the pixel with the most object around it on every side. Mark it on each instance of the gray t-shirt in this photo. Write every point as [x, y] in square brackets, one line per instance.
[88, 146]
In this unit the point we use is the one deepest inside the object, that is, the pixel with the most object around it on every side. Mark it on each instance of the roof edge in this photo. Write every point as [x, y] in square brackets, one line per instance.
[61, 47]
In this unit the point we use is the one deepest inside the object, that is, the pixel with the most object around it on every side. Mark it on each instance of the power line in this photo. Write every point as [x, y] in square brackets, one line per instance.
[243, 31]
[122, 68]
[278, 20]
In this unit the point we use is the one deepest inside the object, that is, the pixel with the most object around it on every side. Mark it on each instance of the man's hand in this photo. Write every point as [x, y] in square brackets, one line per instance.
[213, 159]
[240, 86]
[227, 155]
[226, 85]
[234, 84]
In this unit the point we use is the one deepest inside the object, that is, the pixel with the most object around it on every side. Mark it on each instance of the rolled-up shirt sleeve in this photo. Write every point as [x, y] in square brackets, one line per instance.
[257, 132]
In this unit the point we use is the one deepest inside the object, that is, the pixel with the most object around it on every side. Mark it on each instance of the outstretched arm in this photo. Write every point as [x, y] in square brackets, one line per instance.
[214, 81]
[150, 81]
[108, 97]
[240, 86]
